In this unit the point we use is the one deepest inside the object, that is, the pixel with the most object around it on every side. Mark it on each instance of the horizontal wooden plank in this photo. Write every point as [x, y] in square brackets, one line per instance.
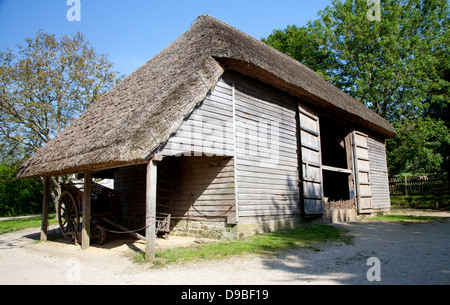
[259, 112]
[255, 150]
[310, 156]
[293, 207]
[262, 180]
[314, 207]
[259, 212]
[250, 104]
[285, 176]
[201, 196]
[251, 188]
[266, 163]
[222, 96]
[365, 203]
[253, 123]
[267, 131]
[274, 197]
[249, 110]
[204, 206]
[337, 169]
[274, 171]
[363, 166]
[307, 112]
[362, 153]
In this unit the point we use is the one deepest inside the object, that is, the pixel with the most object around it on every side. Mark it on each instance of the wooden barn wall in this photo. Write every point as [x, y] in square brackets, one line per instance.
[266, 151]
[205, 188]
[378, 173]
[208, 130]
[131, 182]
[202, 187]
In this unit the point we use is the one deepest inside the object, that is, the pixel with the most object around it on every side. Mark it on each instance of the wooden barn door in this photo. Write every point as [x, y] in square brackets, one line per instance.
[311, 162]
[362, 171]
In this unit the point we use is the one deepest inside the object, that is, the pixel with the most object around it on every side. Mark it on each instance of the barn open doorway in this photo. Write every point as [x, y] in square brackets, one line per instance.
[336, 163]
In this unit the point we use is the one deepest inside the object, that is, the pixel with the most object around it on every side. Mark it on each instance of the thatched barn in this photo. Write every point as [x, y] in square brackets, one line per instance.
[228, 136]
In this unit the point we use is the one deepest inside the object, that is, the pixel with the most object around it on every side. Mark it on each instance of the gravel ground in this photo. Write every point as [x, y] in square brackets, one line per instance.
[408, 253]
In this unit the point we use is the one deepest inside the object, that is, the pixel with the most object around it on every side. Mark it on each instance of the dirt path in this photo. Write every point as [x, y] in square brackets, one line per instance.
[409, 253]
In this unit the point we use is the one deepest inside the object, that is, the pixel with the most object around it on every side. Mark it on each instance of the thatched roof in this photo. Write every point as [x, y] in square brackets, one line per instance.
[129, 123]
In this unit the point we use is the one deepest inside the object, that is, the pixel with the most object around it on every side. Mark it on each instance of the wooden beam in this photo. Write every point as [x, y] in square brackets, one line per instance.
[235, 149]
[150, 231]
[44, 225]
[123, 228]
[337, 169]
[86, 226]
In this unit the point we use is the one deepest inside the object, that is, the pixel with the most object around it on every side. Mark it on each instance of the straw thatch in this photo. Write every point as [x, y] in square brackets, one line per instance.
[134, 119]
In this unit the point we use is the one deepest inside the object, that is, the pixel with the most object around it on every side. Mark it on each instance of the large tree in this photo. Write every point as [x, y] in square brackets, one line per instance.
[44, 85]
[398, 66]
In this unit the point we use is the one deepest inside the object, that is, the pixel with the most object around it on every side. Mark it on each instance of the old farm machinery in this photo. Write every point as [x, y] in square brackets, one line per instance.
[105, 214]
[105, 204]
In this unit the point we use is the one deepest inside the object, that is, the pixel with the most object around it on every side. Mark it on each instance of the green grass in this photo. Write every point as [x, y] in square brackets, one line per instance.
[420, 202]
[8, 226]
[270, 243]
[403, 218]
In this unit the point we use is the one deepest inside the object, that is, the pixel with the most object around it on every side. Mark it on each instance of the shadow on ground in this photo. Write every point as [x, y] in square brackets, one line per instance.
[409, 253]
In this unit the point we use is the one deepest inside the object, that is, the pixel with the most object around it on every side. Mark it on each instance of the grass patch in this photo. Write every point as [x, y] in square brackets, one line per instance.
[403, 218]
[420, 202]
[8, 226]
[270, 243]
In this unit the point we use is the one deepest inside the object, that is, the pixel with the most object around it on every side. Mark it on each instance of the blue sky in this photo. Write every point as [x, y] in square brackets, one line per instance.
[132, 32]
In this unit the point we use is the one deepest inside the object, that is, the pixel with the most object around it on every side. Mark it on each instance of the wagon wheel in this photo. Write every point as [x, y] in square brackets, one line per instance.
[69, 219]
[98, 234]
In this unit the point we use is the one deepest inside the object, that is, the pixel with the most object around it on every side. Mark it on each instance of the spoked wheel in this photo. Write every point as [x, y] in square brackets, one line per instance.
[69, 217]
[98, 234]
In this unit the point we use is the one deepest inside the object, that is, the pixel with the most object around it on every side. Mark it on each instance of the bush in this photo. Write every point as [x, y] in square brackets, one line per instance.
[18, 197]
[421, 202]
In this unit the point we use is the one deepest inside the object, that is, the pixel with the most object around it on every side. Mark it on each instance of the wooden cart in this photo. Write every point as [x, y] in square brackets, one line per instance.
[105, 210]
[105, 203]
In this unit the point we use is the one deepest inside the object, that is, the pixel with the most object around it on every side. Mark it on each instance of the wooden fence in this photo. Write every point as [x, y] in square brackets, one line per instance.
[419, 185]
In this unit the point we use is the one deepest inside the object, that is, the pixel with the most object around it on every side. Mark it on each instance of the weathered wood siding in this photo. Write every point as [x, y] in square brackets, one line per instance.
[205, 188]
[259, 126]
[131, 182]
[311, 161]
[208, 130]
[362, 172]
[187, 188]
[266, 151]
[378, 173]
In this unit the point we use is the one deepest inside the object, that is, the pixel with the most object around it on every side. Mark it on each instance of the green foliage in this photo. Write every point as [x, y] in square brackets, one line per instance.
[392, 66]
[8, 226]
[18, 197]
[44, 85]
[399, 67]
[421, 202]
[421, 146]
[301, 43]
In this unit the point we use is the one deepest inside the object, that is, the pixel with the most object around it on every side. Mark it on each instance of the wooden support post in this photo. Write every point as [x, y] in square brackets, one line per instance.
[86, 226]
[44, 225]
[406, 185]
[150, 232]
